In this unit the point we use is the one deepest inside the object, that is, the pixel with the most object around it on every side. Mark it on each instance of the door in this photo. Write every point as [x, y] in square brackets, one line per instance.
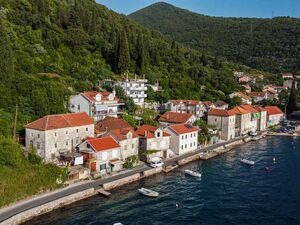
[93, 166]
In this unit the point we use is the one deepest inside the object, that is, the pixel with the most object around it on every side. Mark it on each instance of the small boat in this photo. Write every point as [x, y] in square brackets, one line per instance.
[148, 192]
[118, 223]
[248, 162]
[193, 173]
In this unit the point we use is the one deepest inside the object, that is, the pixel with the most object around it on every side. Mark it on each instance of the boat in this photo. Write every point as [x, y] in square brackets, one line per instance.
[255, 138]
[248, 162]
[193, 173]
[118, 223]
[148, 192]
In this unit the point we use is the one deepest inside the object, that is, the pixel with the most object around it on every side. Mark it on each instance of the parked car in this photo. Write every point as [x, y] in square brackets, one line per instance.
[156, 162]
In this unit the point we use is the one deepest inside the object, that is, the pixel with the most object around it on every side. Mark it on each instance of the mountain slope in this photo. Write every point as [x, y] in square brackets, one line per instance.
[50, 49]
[266, 44]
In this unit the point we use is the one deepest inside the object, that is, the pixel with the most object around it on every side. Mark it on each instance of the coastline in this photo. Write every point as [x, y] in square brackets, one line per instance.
[91, 188]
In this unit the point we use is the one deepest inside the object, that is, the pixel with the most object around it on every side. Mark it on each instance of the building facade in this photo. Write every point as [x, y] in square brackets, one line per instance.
[274, 115]
[223, 120]
[97, 105]
[170, 118]
[186, 106]
[57, 134]
[184, 138]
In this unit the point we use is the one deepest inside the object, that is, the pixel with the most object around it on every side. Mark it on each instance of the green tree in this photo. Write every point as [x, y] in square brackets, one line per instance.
[122, 54]
[140, 55]
[291, 107]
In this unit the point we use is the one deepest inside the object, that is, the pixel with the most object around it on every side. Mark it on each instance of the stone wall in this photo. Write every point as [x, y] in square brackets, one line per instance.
[29, 214]
[121, 182]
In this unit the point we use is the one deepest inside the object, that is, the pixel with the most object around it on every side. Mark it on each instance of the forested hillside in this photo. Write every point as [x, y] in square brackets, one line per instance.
[267, 44]
[51, 48]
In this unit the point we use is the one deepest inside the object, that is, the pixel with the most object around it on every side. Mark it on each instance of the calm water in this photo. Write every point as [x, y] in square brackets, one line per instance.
[228, 193]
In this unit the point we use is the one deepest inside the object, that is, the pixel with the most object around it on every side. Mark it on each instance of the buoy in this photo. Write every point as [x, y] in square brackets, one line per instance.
[274, 160]
[176, 205]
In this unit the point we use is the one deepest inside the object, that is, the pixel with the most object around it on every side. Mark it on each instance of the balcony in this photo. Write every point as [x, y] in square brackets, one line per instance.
[137, 88]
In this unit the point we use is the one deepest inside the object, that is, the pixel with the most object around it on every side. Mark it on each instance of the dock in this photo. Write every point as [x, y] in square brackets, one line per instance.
[101, 191]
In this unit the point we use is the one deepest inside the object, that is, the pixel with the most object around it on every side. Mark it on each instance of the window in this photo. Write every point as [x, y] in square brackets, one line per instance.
[78, 107]
[215, 119]
[191, 135]
[39, 135]
[55, 134]
[191, 144]
[87, 129]
[186, 136]
[125, 147]
[181, 146]
[31, 134]
[67, 131]
[182, 137]
[194, 143]
[38, 145]
[77, 130]
[185, 146]
[132, 146]
[55, 145]
[102, 167]
[158, 134]
[194, 134]
[67, 143]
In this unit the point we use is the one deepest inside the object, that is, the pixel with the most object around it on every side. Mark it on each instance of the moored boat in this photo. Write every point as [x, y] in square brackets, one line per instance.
[148, 192]
[193, 173]
[248, 162]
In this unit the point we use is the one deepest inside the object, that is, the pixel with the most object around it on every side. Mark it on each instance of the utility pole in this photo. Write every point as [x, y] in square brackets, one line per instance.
[15, 124]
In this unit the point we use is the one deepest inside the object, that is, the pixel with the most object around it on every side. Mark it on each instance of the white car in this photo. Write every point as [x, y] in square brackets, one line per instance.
[156, 162]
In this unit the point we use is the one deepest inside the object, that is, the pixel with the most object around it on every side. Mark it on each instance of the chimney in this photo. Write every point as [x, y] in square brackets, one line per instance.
[145, 133]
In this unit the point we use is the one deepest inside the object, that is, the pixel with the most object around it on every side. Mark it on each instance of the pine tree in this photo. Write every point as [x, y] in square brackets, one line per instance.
[6, 58]
[122, 54]
[291, 107]
[140, 55]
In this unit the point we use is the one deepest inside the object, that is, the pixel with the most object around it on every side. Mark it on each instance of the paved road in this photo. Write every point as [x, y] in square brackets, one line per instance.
[21, 207]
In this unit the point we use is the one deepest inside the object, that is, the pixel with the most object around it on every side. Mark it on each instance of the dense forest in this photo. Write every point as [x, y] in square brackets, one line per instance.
[271, 45]
[50, 49]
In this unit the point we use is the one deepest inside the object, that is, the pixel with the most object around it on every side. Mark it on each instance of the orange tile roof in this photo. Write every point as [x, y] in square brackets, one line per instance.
[242, 95]
[90, 95]
[174, 117]
[221, 112]
[111, 123]
[121, 134]
[240, 111]
[273, 110]
[102, 144]
[148, 131]
[183, 128]
[58, 121]
[249, 108]
[207, 103]
[260, 108]
[220, 103]
[257, 94]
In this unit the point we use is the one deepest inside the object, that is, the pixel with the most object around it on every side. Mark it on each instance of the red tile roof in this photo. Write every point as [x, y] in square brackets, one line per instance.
[90, 95]
[58, 121]
[240, 111]
[121, 134]
[260, 108]
[257, 94]
[242, 95]
[221, 112]
[273, 110]
[207, 103]
[188, 102]
[173, 117]
[148, 131]
[220, 103]
[183, 128]
[249, 108]
[102, 144]
[111, 123]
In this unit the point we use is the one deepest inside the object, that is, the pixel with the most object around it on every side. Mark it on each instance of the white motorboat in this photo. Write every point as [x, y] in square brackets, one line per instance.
[148, 192]
[118, 223]
[248, 162]
[193, 173]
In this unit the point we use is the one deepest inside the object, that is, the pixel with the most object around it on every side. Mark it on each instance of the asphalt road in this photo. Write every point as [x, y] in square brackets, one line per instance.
[21, 207]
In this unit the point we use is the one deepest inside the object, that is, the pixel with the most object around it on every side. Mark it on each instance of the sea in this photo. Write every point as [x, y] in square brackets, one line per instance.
[229, 192]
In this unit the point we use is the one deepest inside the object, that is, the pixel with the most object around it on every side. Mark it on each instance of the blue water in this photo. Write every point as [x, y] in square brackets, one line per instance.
[228, 193]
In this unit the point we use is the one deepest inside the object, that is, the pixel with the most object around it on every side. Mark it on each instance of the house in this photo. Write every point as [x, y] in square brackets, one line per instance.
[287, 76]
[289, 83]
[238, 73]
[255, 116]
[184, 138]
[245, 98]
[128, 140]
[97, 105]
[276, 89]
[223, 120]
[246, 79]
[247, 88]
[243, 121]
[110, 123]
[186, 106]
[262, 121]
[153, 142]
[208, 105]
[258, 96]
[53, 135]
[155, 87]
[136, 89]
[101, 155]
[220, 105]
[274, 115]
[170, 118]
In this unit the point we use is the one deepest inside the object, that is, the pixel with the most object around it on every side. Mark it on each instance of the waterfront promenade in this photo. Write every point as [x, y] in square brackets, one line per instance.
[25, 205]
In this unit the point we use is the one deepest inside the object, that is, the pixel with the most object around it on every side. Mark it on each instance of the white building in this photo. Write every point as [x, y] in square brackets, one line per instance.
[97, 105]
[154, 139]
[274, 115]
[170, 118]
[262, 121]
[245, 98]
[197, 108]
[102, 155]
[184, 138]
[243, 123]
[56, 134]
[136, 89]
[223, 120]
[255, 116]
